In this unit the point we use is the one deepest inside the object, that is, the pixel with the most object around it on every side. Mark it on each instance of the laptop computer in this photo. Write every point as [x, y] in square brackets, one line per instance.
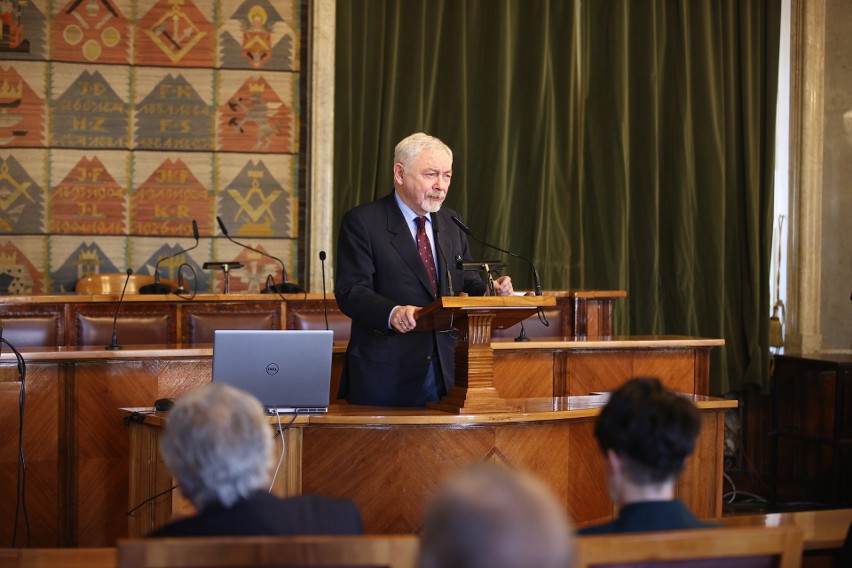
[289, 371]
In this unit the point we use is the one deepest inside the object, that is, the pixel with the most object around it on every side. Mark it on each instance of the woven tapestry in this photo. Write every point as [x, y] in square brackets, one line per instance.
[123, 121]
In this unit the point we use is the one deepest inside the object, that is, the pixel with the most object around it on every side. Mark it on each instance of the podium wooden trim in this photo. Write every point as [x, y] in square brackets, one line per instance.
[474, 318]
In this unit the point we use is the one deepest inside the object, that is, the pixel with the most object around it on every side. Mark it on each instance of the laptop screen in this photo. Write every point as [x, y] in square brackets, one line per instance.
[287, 370]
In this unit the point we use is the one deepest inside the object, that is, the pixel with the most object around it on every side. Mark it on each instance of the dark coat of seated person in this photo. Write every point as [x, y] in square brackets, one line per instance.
[218, 445]
[646, 434]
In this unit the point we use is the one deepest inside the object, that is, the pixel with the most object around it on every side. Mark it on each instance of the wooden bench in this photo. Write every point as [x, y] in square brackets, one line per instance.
[824, 532]
[732, 547]
[58, 557]
[399, 551]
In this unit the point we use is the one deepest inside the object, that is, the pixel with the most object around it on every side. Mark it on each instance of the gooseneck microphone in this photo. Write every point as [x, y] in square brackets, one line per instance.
[324, 306]
[469, 233]
[156, 287]
[436, 228]
[114, 345]
[283, 288]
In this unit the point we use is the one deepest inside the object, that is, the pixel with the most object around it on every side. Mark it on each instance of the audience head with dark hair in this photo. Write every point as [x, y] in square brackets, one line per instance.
[494, 517]
[646, 433]
[652, 430]
[218, 445]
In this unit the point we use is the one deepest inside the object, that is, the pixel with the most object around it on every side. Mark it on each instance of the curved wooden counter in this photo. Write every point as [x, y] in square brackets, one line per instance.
[391, 461]
[78, 450]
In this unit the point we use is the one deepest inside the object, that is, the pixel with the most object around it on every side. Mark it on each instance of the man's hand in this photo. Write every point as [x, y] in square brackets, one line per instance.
[402, 318]
[503, 286]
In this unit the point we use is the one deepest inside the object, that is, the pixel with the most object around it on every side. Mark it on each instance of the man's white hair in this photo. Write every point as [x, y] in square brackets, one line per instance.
[218, 445]
[410, 147]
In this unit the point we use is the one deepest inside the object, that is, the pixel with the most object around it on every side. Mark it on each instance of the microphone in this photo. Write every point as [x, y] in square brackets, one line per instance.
[285, 287]
[156, 287]
[469, 233]
[114, 345]
[436, 229]
[324, 306]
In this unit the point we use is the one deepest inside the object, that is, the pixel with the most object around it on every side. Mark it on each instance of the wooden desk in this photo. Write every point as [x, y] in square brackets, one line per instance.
[569, 366]
[78, 450]
[822, 530]
[78, 320]
[58, 557]
[391, 461]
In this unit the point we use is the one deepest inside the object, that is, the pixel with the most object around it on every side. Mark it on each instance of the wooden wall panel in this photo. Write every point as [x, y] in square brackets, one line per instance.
[597, 371]
[524, 375]
[700, 486]
[604, 370]
[590, 503]
[544, 449]
[102, 446]
[388, 472]
[41, 450]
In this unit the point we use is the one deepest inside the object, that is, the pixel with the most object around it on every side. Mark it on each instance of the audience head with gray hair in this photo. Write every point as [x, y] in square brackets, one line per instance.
[218, 445]
[494, 517]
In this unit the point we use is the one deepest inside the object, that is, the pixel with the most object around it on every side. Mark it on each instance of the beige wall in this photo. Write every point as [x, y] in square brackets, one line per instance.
[836, 285]
[820, 244]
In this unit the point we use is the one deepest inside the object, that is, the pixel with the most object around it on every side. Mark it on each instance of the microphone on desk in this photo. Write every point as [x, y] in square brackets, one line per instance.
[436, 228]
[469, 233]
[156, 287]
[324, 306]
[283, 288]
[114, 345]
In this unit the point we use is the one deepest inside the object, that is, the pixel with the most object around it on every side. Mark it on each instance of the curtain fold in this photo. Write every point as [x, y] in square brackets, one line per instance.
[618, 144]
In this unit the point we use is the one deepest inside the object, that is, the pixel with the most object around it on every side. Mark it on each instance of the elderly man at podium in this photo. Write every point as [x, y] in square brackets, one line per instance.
[396, 255]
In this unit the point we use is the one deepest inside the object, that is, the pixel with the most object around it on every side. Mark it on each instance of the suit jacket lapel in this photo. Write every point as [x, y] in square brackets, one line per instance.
[403, 243]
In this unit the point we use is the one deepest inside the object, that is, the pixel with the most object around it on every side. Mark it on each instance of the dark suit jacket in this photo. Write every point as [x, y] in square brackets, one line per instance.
[263, 514]
[378, 267]
[650, 516]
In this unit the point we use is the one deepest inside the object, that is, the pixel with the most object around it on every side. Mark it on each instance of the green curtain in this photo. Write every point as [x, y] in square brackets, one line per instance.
[621, 145]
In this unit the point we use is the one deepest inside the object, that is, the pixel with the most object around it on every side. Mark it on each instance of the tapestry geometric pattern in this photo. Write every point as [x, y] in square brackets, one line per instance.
[122, 121]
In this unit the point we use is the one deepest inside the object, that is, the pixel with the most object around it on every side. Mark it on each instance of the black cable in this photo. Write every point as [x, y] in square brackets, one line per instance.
[21, 489]
[151, 498]
[179, 291]
[270, 285]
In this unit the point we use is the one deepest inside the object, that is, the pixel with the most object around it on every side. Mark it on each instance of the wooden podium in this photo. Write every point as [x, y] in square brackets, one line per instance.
[474, 317]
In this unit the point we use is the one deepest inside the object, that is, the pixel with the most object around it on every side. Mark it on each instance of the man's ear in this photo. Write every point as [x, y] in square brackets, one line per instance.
[398, 172]
[613, 462]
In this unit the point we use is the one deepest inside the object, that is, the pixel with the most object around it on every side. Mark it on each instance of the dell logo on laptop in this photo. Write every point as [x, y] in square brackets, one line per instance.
[272, 369]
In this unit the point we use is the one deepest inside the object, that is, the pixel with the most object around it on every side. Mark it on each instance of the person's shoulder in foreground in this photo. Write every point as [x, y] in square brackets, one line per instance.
[218, 446]
[649, 516]
[264, 514]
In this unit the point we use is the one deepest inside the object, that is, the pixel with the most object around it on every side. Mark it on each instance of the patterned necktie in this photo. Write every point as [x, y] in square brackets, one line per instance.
[425, 250]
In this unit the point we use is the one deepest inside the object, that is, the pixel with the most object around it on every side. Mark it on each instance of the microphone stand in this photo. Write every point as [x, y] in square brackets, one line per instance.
[156, 287]
[285, 287]
[522, 336]
[114, 346]
[469, 233]
[324, 305]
